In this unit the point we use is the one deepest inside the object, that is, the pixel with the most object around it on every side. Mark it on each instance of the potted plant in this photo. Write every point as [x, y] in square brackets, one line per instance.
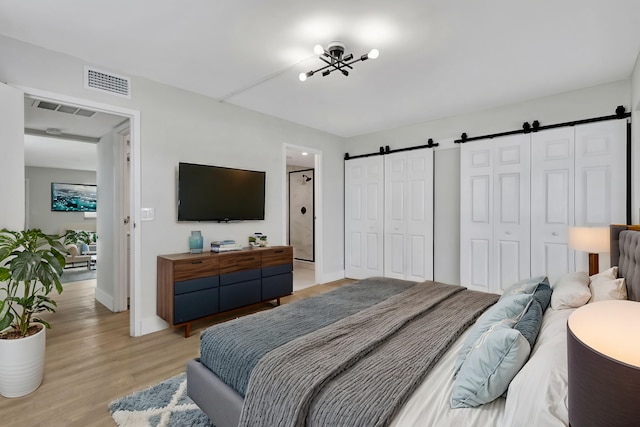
[31, 263]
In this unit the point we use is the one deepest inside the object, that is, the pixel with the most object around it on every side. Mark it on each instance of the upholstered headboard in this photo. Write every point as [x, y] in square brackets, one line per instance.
[625, 253]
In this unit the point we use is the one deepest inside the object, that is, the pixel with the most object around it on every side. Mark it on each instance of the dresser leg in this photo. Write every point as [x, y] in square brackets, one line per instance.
[277, 301]
[187, 330]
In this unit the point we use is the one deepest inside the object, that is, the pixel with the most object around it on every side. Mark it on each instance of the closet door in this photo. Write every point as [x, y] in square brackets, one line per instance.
[600, 180]
[364, 186]
[476, 215]
[552, 196]
[511, 198]
[408, 244]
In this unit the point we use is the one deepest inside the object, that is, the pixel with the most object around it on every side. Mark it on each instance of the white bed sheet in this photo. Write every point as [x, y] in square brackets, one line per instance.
[429, 404]
[537, 395]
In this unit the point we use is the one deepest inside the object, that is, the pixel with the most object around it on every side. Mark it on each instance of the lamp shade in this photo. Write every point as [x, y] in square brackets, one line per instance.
[603, 353]
[594, 240]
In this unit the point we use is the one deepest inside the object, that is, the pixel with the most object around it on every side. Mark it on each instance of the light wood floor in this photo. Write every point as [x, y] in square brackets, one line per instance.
[91, 360]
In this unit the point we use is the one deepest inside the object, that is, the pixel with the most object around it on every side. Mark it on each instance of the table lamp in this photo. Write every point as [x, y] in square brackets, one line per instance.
[593, 240]
[603, 353]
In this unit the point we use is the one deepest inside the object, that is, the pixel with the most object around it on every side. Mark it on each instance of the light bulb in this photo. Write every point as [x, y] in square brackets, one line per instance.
[373, 53]
[302, 76]
[318, 50]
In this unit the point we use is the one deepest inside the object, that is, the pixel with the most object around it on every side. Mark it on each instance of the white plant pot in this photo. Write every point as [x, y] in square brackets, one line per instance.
[22, 364]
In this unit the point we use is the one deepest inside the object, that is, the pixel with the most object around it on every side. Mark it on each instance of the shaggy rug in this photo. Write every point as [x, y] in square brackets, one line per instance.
[162, 405]
[77, 275]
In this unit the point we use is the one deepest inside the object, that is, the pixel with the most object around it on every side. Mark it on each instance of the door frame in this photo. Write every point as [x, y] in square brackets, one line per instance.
[135, 323]
[317, 189]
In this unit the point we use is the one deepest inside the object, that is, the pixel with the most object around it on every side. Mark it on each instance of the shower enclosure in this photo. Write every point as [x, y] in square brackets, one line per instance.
[301, 214]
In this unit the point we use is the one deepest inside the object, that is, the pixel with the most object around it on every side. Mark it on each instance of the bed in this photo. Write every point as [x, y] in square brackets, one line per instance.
[399, 353]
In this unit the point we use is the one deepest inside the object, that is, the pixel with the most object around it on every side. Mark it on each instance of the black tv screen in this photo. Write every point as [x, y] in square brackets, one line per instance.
[213, 193]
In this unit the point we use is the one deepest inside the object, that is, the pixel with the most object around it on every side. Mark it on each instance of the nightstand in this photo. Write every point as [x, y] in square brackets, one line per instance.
[603, 353]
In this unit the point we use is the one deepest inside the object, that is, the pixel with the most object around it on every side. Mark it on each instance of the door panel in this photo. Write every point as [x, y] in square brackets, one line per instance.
[363, 217]
[409, 215]
[512, 198]
[601, 185]
[476, 214]
[552, 207]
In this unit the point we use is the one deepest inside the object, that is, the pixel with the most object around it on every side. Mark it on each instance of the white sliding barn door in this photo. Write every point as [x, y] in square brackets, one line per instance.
[511, 198]
[552, 195]
[476, 215]
[494, 212]
[364, 195]
[408, 231]
[601, 185]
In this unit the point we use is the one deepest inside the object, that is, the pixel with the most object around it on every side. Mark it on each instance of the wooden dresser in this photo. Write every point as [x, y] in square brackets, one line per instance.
[193, 286]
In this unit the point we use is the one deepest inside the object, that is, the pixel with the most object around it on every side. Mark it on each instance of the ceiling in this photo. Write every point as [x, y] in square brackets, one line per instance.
[64, 137]
[438, 58]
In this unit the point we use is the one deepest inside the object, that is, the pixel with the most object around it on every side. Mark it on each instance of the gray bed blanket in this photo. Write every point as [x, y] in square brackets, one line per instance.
[360, 370]
[232, 349]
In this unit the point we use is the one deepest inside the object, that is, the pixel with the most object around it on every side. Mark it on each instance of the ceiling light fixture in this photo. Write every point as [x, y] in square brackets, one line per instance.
[336, 60]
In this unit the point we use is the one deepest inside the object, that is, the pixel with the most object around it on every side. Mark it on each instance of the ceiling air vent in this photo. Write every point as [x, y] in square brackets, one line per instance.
[53, 106]
[107, 82]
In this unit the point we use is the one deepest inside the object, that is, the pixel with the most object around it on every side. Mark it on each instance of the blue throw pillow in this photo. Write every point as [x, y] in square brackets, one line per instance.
[496, 357]
[525, 286]
[529, 323]
[507, 310]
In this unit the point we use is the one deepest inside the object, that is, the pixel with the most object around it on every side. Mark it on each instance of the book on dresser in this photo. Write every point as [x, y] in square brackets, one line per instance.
[225, 246]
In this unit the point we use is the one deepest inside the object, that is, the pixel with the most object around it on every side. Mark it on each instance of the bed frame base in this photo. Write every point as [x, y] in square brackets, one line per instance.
[221, 403]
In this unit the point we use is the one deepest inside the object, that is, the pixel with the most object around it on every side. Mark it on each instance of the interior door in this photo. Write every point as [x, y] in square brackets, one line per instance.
[395, 215]
[364, 226]
[511, 198]
[552, 207]
[476, 215]
[12, 215]
[408, 232]
[601, 185]
[419, 222]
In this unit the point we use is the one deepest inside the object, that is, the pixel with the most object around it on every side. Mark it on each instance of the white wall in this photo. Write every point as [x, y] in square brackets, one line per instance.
[177, 126]
[12, 214]
[446, 216]
[40, 214]
[635, 143]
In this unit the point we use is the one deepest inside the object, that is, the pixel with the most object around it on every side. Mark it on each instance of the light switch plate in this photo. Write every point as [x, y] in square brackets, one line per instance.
[148, 214]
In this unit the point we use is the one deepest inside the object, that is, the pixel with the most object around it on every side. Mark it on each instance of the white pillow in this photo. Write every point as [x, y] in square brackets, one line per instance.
[611, 273]
[606, 286]
[537, 395]
[571, 291]
[73, 250]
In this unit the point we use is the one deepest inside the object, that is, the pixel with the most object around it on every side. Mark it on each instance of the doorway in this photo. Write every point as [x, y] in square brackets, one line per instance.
[116, 260]
[302, 207]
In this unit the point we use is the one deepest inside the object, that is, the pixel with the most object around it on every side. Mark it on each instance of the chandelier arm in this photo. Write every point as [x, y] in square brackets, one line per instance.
[336, 64]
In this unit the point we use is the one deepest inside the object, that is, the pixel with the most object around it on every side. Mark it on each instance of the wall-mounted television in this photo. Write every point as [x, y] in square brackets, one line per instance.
[214, 193]
[73, 197]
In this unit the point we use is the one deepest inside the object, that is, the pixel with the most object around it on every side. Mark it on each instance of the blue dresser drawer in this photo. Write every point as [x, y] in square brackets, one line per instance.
[194, 285]
[277, 286]
[193, 305]
[239, 276]
[274, 270]
[239, 294]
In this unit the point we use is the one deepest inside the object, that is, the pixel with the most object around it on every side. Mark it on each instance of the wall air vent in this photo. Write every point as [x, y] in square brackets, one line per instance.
[107, 82]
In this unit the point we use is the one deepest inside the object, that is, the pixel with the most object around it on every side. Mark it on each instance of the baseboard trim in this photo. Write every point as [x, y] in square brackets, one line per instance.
[105, 299]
